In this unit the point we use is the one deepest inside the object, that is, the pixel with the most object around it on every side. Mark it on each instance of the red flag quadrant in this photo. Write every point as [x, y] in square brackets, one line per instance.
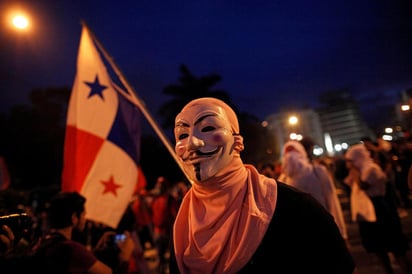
[102, 141]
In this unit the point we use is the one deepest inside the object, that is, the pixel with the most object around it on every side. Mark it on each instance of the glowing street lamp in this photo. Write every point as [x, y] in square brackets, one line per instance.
[20, 22]
[293, 120]
[405, 107]
[407, 117]
[388, 130]
[18, 19]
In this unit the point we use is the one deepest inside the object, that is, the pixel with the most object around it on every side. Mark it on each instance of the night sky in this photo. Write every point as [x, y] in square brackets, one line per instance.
[270, 54]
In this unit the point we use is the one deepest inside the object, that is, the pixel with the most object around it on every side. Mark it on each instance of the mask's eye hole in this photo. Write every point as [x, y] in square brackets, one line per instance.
[208, 128]
[183, 136]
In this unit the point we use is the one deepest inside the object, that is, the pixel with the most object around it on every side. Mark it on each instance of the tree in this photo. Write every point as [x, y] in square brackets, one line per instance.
[189, 88]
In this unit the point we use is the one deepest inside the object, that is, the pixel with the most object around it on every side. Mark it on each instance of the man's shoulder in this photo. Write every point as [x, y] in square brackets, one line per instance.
[57, 243]
[290, 198]
[49, 240]
[289, 191]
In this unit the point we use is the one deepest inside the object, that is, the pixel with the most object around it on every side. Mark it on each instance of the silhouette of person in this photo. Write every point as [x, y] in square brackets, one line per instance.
[379, 225]
[312, 178]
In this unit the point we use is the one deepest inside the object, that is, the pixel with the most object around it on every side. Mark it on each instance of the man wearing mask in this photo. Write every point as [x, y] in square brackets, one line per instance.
[235, 220]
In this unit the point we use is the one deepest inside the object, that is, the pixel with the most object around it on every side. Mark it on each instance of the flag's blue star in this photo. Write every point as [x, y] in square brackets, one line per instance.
[96, 88]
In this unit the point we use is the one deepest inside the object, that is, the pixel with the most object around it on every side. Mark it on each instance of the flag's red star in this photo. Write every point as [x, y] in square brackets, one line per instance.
[110, 186]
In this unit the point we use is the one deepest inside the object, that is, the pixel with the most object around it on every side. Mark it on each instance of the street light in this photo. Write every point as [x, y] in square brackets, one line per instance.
[293, 120]
[20, 22]
[405, 107]
[18, 19]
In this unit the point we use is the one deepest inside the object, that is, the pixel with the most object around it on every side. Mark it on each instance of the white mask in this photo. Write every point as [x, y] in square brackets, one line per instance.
[204, 140]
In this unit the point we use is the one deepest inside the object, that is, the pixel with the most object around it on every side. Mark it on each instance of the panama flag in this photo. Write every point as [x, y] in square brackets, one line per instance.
[102, 141]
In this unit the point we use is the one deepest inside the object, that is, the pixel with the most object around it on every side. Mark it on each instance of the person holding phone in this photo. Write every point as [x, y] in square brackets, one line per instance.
[58, 253]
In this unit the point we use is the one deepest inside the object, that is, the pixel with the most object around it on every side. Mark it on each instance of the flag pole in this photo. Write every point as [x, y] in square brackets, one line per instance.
[137, 101]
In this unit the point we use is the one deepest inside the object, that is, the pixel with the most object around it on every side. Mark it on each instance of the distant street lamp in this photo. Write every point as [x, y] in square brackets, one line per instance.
[293, 120]
[17, 19]
[388, 130]
[20, 22]
[405, 108]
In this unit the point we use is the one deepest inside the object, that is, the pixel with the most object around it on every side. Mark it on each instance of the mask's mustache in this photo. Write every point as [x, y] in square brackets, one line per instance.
[199, 153]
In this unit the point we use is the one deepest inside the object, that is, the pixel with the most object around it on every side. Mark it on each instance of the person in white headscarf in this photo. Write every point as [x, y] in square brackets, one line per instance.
[379, 225]
[235, 220]
[313, 178]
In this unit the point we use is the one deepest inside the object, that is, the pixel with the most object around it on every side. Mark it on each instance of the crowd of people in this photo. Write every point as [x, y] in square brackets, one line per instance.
[233, 217]
[58, 239]
[373, 174]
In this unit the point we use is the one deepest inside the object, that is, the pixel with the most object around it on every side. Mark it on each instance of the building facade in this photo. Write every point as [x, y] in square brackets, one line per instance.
[333, 127]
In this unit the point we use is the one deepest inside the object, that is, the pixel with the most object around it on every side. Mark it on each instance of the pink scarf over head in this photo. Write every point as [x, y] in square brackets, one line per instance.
[222, 221]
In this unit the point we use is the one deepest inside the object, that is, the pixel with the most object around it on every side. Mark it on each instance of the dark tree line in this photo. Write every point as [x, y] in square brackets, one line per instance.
[32, 136]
